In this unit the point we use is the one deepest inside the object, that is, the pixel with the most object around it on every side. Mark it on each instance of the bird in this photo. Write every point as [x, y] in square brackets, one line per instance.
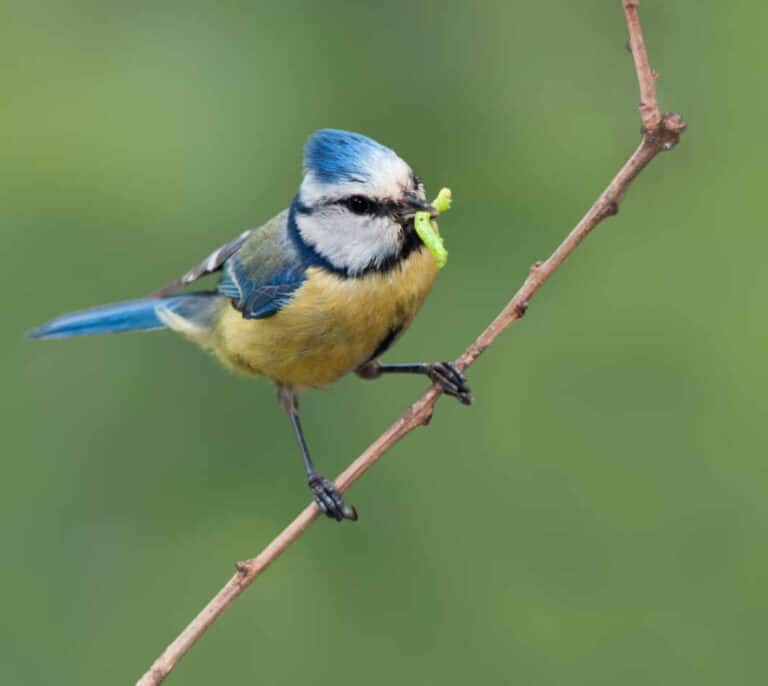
[321, 290]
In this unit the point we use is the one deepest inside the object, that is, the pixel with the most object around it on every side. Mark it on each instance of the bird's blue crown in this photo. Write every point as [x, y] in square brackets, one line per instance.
[335, 156]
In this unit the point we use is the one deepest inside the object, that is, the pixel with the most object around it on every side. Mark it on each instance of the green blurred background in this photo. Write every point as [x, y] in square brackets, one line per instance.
[597, 517]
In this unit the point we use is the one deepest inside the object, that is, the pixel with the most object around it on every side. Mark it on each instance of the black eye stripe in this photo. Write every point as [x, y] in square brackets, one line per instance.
[359, 204]
[363, 205]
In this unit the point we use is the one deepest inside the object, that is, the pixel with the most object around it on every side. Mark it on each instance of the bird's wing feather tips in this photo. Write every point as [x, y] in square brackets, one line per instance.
[210, 264]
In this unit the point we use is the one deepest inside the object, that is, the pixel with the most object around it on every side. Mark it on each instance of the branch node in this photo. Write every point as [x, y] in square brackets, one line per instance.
[244, 566]
[674, 123]
[667, 134]
[521, 308]
[535, 266]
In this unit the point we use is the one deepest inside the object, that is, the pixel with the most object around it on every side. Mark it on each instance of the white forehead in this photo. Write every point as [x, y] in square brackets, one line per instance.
[387, 176]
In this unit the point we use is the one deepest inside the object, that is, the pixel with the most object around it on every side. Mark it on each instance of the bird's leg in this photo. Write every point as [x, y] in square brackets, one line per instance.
[451, 380]
[326, 496]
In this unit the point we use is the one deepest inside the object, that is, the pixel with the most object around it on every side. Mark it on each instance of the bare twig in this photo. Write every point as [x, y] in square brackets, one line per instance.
[646, 77]
[660, 132]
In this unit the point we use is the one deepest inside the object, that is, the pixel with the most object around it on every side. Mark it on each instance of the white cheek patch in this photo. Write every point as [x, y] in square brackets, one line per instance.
[349, 241]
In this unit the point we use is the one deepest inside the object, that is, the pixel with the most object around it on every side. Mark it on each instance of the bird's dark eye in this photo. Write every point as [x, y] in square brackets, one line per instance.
[359, 204]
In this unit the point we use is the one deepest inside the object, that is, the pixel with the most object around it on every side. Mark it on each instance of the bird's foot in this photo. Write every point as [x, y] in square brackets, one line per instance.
[328, 499]
[452, 381]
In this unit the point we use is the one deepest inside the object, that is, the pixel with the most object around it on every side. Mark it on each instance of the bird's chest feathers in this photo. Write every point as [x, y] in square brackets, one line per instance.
[333, 324]
[376, 301]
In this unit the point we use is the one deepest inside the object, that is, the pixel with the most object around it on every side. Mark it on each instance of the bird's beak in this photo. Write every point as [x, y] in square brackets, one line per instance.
[412, 204]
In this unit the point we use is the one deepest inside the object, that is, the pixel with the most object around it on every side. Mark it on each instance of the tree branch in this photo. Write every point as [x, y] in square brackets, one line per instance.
[660, 132]
[646, 77]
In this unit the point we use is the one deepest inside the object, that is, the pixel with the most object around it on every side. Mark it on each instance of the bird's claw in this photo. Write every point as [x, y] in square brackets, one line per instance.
[451, 380]
[328, 499]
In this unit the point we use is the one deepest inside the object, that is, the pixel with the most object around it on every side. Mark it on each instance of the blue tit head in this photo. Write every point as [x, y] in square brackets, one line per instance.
[356, 203]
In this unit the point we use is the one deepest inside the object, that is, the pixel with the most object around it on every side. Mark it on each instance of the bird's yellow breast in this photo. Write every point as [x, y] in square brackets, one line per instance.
[330, 327]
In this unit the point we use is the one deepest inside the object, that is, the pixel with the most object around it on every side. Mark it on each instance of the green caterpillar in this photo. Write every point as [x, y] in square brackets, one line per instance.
[427, 229]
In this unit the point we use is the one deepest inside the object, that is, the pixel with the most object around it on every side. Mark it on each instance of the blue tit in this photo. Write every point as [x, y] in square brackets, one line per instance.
[322, 289]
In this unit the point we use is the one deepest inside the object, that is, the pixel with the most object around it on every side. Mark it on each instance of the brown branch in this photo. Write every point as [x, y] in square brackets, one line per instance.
[660, 132]
[646, 77]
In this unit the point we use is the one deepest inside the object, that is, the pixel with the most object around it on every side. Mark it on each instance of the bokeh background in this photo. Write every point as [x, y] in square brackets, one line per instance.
[597, 517]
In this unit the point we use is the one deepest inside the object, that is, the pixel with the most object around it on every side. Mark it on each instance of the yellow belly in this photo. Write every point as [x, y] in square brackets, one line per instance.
[332, 325]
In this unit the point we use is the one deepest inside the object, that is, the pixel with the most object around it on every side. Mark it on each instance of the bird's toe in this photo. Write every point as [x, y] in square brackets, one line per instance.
[329, 501]
[452, 381]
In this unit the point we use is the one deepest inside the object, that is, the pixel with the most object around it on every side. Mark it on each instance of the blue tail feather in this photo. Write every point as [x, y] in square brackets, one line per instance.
[131, 315]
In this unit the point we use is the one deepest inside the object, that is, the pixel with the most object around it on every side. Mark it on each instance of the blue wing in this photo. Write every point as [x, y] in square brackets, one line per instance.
[260, 270]
[262, 275]
[259, 296]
